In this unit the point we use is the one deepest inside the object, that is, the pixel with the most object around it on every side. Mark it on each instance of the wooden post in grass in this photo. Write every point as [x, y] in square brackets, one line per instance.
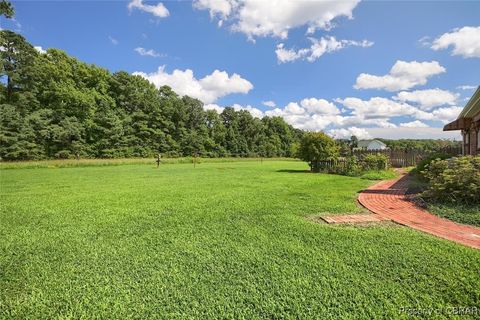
[159, 156]
[194, 160]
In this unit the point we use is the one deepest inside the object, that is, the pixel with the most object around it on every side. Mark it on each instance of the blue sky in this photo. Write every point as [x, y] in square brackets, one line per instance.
[378, 69]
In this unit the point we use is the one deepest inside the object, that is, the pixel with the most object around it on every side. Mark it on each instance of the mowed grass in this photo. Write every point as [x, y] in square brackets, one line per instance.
[222, 240]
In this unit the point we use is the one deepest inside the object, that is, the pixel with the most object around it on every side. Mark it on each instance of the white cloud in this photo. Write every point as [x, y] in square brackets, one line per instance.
[379, 110]
[276, 17]
[298, 117]
[319, 106]
[465, 42]
[207, 89]
[257, 113]
[447, 114]
[414, 133]
[113, 40]
[158, 10]
[148, 53]
[377, 107]
[318, 48]
[319, 114]
[360, 133]
[428, 99]
[288, 55]
[414, 124]
[40, 49]
[467, 87]
[402, 76]
[294, 108]
[217, 8]
[213, 106]
[269, 103]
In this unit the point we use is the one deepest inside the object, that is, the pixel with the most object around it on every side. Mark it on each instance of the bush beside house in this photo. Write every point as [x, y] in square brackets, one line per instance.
[455, 180]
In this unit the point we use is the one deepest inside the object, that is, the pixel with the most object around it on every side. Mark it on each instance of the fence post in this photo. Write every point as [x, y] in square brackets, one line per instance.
[159, 156]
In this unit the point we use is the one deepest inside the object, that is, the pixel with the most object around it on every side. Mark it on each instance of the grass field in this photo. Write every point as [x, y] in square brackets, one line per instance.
[222, 240]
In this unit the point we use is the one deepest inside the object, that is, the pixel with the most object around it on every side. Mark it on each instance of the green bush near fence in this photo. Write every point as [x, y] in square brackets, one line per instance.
[455, 180]
[422, 165]
[377, 161]
[356, 166]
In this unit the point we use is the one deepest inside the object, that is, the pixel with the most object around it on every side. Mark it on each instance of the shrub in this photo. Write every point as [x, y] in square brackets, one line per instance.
[454, 180]
[422, 165]
[353, 166]
[377, 161]
[315, 147]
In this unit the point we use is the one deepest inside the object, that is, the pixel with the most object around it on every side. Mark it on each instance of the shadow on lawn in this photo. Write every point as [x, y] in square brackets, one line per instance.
[293, 171]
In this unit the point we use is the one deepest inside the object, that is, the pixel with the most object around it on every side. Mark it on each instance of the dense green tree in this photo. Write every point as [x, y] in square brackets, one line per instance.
[420, 144]
[17, 58]
[317, 146]
[6, 9]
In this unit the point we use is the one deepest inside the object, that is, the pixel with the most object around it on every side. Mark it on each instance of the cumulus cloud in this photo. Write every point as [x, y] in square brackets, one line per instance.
[288, 55]
[207, 89]
[428, 99]
[148, 52]
[269, 103]
[465, 42]
[363, 118]
[40, 49]
[257, 113]
[319, 106]
[382, 108]
[318, 48]
[298, 117]
[377, 107]
[402, 76]
[276, 17]
[414, 133]
[213, 106]
[414, 124]
[446, 114]
[217, 8]
[360, 133]
[158, 10]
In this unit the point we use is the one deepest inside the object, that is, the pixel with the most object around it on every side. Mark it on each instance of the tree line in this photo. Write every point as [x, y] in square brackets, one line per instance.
[54, 106]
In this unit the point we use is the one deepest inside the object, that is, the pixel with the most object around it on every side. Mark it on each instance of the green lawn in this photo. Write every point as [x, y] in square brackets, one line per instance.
[223, 240]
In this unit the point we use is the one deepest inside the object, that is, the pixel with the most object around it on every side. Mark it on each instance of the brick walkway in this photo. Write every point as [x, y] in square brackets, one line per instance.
[387, 199]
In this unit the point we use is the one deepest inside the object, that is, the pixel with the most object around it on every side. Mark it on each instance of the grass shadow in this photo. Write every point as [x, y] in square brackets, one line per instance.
[293, 171]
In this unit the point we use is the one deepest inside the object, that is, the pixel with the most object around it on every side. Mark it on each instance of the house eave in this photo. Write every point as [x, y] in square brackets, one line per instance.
[459, 124]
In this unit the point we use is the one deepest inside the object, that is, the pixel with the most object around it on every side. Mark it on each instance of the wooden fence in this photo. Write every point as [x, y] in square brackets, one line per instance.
[407, 158]
[398, 158]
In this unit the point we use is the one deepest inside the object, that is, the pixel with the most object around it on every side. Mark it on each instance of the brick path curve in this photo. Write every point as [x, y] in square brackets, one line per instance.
[387, 199]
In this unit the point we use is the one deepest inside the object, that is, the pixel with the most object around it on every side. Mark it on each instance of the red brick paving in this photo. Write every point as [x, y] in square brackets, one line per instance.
[388, 200]
[354, 218]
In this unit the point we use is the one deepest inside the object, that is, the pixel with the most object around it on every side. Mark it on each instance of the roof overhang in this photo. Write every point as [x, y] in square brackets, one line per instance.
[459, 124]
[469, 114]
[472, 108]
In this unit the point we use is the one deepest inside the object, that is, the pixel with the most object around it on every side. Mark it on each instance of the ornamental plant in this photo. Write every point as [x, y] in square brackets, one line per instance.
[455, 180]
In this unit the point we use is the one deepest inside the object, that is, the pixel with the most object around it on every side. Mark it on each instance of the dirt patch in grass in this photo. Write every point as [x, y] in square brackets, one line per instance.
[318, 218]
